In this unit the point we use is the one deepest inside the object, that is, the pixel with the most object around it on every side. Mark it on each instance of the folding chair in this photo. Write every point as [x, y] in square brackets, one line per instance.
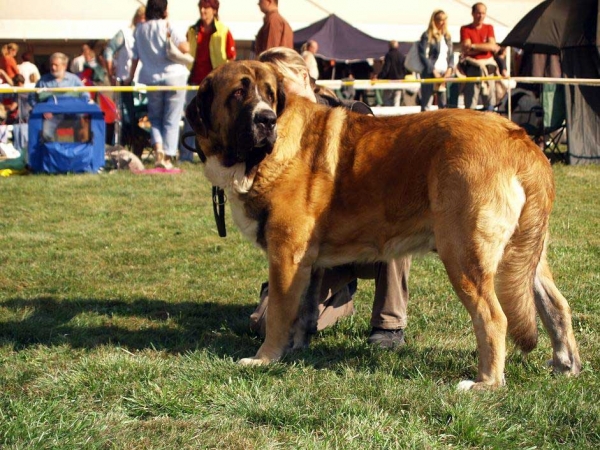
[554, 123]
[542, 118]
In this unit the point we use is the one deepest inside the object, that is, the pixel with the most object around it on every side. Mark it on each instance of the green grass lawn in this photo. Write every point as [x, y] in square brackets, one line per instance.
[122, 314]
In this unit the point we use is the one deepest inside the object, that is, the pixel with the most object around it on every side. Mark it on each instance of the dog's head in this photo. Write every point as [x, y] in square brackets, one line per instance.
[234, 114]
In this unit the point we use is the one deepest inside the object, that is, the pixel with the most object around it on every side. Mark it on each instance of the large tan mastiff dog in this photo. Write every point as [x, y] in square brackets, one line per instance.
[318, 187]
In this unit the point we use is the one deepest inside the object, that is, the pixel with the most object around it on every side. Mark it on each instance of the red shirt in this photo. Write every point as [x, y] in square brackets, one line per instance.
[202, 65]
[478, 36]
[9, 65]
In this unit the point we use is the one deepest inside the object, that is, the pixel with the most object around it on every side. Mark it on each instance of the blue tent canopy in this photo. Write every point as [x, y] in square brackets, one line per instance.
[340, 41]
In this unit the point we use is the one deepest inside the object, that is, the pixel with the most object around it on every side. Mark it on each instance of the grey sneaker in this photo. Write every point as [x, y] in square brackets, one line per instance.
[387, 338]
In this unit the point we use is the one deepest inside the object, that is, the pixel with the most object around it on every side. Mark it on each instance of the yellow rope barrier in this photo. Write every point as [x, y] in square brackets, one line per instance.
[358, 84]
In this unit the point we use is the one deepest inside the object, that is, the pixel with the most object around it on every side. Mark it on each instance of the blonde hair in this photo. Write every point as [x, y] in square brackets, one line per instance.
[291, 65]
[140, 14]
[288, 62]
[433, 34]
[8, 47]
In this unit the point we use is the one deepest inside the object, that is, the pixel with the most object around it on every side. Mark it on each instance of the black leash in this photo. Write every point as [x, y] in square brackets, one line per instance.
[219, 200]
[218, 194]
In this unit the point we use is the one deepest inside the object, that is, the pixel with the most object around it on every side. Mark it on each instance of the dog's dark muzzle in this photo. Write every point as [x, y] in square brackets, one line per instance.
[263, 124]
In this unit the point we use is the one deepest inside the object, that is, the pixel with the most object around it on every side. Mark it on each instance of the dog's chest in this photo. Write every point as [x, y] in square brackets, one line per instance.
[248, 225]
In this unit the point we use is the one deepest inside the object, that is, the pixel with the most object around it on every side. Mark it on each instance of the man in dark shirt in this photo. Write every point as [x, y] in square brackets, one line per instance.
[393, 69]
[275, 32]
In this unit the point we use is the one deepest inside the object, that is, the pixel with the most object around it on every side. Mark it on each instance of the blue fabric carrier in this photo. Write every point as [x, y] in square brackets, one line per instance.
[72, 141]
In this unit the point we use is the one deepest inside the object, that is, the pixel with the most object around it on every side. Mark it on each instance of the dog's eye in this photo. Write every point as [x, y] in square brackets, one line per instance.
[238, 94]
[271, 95]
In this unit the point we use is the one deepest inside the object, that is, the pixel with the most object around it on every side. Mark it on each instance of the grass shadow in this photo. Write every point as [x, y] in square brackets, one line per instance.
[134, 325]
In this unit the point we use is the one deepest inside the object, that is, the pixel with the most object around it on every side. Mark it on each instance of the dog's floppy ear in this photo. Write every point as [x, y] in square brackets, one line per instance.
[197, 111]
[281, 98]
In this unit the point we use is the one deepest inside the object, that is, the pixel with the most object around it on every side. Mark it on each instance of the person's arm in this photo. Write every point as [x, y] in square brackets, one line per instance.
[424, 53]
[489, 46]
[180, 41]
[35, 75]
[385, 70]
[5, 77]
[465, 41]
[230, 49]
[15, 67]
[450, 58]
[113, 46]
[134, 64]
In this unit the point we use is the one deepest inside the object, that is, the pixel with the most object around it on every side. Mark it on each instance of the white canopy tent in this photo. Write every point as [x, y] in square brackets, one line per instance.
[402, 20]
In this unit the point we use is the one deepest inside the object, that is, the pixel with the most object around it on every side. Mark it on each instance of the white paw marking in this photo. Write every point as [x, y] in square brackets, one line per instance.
[465, 385]
[251, 362]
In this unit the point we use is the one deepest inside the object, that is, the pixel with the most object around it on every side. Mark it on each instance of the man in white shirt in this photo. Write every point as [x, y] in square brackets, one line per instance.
[29, 70]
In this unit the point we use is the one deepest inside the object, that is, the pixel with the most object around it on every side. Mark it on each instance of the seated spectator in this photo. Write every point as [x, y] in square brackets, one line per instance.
[8, 63]
[58, 77]
[29, 70]
[16, 105]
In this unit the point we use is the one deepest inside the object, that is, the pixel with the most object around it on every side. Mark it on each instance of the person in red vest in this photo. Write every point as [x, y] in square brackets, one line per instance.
[212, 45]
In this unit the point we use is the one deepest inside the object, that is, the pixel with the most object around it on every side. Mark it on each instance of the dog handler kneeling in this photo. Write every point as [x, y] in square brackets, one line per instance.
[388, 318]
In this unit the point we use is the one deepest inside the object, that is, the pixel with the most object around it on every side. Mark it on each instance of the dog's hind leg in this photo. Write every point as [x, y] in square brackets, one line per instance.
[556, 317]
[471, 239]
[473, 280]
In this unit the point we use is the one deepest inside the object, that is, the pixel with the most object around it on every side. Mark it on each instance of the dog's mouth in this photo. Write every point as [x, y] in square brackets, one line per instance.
[255, 139]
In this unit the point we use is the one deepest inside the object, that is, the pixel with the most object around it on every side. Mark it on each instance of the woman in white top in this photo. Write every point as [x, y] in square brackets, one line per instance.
[165, 108]
[435, 51]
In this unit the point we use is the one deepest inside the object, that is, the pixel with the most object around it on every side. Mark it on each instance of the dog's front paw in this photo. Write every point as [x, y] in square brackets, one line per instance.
[465, 385]
[252, 362]
[470, 385]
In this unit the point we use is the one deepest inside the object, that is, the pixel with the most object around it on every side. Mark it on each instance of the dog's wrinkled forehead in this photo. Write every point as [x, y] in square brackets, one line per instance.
[235, 79]
[234, 93]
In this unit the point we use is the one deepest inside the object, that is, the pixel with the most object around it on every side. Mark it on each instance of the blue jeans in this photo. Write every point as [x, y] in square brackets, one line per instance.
[184, 153]
[165, 109]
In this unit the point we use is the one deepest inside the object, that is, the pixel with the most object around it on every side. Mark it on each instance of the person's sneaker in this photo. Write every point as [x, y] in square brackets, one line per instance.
[387, 338]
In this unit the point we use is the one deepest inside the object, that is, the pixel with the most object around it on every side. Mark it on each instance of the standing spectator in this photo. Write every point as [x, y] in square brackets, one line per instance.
[16, 105]
[8, 63]
[393, 69]
[212, 44]
[478, 45]
[58, 77]
[118, 55]
[389, 314]
[435, 52]
[86, 59]
[276, 31]
[165, 108]
[308, 52]
[18, 109]
[29, 70]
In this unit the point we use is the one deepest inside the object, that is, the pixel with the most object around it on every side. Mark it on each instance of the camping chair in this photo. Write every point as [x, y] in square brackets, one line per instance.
[542, 118]
[554, 123]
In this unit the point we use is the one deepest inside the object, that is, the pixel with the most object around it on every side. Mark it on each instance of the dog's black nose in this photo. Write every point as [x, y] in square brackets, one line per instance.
[266, 118]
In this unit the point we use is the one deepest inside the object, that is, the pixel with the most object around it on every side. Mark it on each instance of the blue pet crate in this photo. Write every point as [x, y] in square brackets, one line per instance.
[66, 135]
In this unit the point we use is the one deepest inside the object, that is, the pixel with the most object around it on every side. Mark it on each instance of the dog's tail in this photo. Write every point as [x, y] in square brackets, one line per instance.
[514, 281]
